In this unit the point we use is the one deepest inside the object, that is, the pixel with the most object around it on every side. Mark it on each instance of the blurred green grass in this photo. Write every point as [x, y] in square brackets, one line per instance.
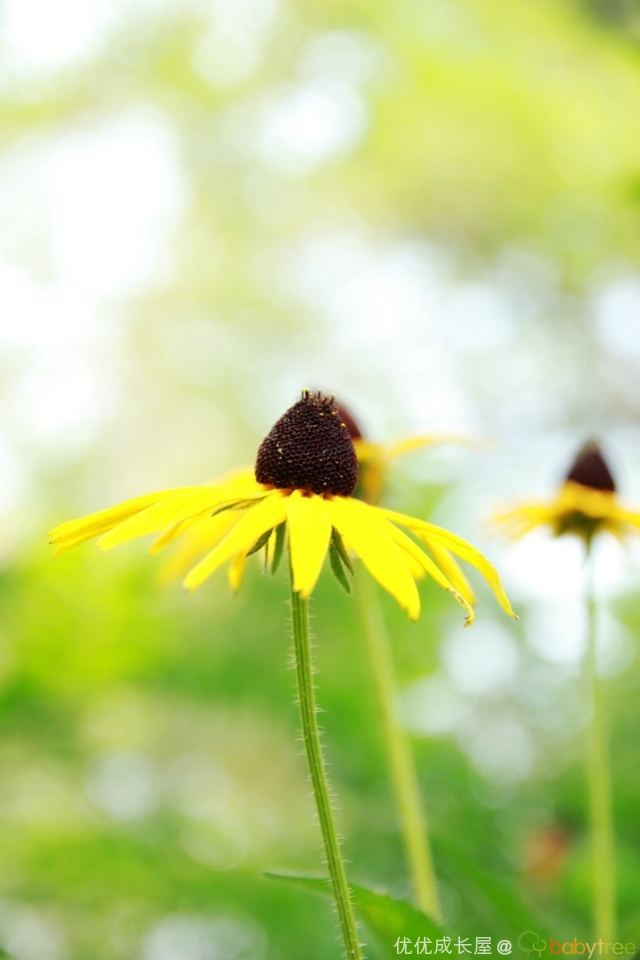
[99, 661]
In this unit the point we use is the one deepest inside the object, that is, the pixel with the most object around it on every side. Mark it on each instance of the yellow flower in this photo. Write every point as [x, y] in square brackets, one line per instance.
[373, 465]
[374, 459]
[586, 504]
[302, 492]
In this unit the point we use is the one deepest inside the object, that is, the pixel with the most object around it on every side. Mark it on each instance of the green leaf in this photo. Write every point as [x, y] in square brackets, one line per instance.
[337, 567]
[236, 505]
[338, 542]
[495, 899]
[260, 542]
[385, 918]
[279, 546]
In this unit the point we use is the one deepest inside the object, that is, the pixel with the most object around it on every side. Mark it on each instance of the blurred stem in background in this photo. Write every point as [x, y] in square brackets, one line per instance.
[373, 463]
[587, 504]
[399, 754]
[319, 779]
[599, 779]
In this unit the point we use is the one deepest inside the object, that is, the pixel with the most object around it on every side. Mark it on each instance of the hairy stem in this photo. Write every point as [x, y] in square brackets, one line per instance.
[319, 780]
[399, 754]
[599, 784]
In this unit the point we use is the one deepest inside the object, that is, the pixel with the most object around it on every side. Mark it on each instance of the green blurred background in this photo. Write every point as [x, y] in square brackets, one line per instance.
[430, 208]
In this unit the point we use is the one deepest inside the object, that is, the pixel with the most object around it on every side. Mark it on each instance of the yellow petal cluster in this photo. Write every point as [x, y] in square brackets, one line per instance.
[230, 518]
[576, 509]
[374, 459]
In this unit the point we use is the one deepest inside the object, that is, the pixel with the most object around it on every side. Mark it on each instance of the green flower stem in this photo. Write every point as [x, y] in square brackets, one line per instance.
[599, 785]
[311, 735]
[399, 754]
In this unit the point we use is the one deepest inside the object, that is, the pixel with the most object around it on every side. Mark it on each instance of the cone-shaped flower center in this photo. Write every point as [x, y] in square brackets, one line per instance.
[590, 470]
[309, 448]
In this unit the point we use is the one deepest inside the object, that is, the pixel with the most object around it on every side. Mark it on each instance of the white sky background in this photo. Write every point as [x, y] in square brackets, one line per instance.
[88, 216]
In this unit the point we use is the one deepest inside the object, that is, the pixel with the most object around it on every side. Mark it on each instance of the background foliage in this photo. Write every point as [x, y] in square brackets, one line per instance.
[431, 209]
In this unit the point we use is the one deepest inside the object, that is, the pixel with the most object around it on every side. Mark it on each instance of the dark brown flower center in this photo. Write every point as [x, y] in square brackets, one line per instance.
[309, 448]
[590, 469]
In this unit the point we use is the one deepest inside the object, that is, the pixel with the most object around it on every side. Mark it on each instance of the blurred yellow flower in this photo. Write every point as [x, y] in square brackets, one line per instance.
[374, 459]
[374, 462]
[305, 475]
[586, 504]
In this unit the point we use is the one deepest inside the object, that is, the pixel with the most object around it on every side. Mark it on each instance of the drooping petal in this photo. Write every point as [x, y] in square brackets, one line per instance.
[373, 476]
[430, 533]
[60, 548]
[452, 571]
[267, 513]
[199, 537]
[309, 523]
[172, 533]
[597, 504]
[520, 520]
[236, 571]
[372, 469]
[365, 450]
[629, 517]
[74, 532]
[242, 478]
[430, 568]
[361, 528]
[183, 506]
[417, 570]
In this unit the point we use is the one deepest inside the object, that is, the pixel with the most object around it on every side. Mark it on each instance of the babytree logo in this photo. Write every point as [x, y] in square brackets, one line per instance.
[598, 948]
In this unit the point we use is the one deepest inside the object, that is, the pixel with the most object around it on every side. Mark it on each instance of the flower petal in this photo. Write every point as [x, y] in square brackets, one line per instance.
[242, 477]
[452, 571]
[268, 513]
[430, 567]
[521, 520]
[431, 533]
[309, 523]
[74, 532]
[361, 528]
[416, 569]
[236, 571]
[598, 504]
[183, 506]
[631, 517]
[199, 537]
[365, 450]
[176, 530]
[407, 444]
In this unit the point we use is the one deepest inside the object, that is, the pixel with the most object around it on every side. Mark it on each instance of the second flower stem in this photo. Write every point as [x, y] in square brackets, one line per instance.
[399, 754]
[319, 780]
[599, 783]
